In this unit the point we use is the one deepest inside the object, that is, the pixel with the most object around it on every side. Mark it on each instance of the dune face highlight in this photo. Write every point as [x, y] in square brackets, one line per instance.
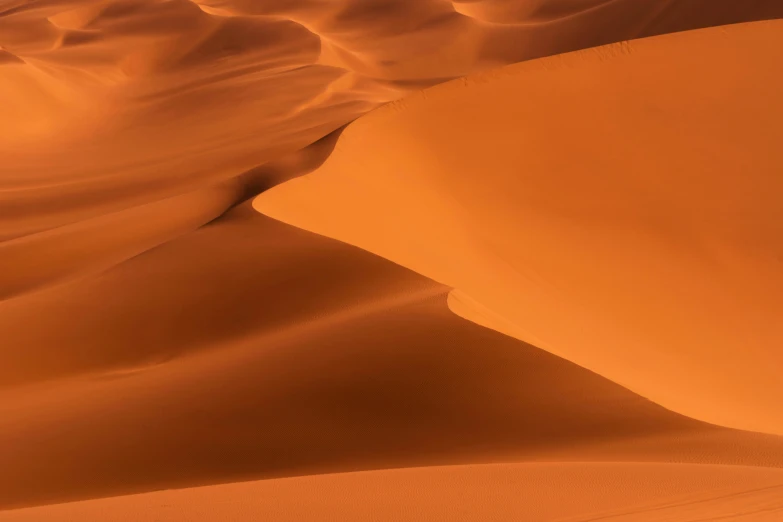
[619, 207]
[550, 291]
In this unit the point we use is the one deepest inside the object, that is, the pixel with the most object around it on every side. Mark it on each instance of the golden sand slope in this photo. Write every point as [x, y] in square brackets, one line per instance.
[493, 493]
[275, 352]
[621, 207]
[251, 349]
[111, 106]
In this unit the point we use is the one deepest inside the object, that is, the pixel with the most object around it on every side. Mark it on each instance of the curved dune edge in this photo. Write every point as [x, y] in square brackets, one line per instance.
[139, 116]
[620, 206]
[468, 308]
[632, 492]
[328, 359]
[119, 103]
[93, 245]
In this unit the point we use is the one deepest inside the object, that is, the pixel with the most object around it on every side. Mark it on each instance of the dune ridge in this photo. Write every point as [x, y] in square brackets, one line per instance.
[651, 256]
[115, 102]
[138, 98]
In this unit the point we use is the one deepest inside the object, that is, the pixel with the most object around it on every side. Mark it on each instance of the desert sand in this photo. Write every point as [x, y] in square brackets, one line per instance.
[632, 191]
[562, 492]
[539, 277]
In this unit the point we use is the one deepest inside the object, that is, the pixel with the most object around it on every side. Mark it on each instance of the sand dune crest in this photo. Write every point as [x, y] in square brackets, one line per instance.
[619, 206]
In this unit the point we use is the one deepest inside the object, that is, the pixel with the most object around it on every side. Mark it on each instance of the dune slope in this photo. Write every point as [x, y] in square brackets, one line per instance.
[114, 104]
[496, 493]
[618, 206]
[275, 352]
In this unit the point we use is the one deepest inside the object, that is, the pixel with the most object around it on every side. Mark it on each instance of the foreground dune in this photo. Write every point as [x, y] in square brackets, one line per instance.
[275, 352]
[619, 207]
[493, 493]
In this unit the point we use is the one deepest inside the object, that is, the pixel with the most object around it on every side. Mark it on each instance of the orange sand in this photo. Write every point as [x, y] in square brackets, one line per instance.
[330, 359]
[618, 207]
[531, 492]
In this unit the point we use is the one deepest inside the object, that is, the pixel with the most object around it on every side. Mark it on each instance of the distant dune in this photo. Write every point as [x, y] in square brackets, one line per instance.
[618, 206]
[541, 291]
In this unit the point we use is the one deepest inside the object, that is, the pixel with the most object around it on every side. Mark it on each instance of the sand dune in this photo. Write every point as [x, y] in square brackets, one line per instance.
[620, 207]
[124, 102]
[533, 492]
[275, 352]
[617, 207]
[90, 246]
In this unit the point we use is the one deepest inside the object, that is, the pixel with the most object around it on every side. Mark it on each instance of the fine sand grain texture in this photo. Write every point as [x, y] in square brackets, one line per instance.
[621, 207]
[551, 291]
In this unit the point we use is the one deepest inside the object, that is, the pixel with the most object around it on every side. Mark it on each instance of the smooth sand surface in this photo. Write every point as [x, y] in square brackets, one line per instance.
[118, 103]
[564, 492]
[157, 332]
[619, 207]
[276, 352]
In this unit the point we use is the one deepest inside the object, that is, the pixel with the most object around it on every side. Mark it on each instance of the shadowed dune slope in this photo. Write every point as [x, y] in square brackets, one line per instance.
[563, 492]
[274, 352]
[90, 246]
[621, 207]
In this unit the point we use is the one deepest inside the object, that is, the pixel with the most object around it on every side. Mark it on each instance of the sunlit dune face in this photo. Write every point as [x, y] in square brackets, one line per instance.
[620, 207]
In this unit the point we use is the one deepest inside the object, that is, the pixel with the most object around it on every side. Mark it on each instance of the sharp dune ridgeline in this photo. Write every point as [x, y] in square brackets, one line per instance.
[358, 260]
[617, 206]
